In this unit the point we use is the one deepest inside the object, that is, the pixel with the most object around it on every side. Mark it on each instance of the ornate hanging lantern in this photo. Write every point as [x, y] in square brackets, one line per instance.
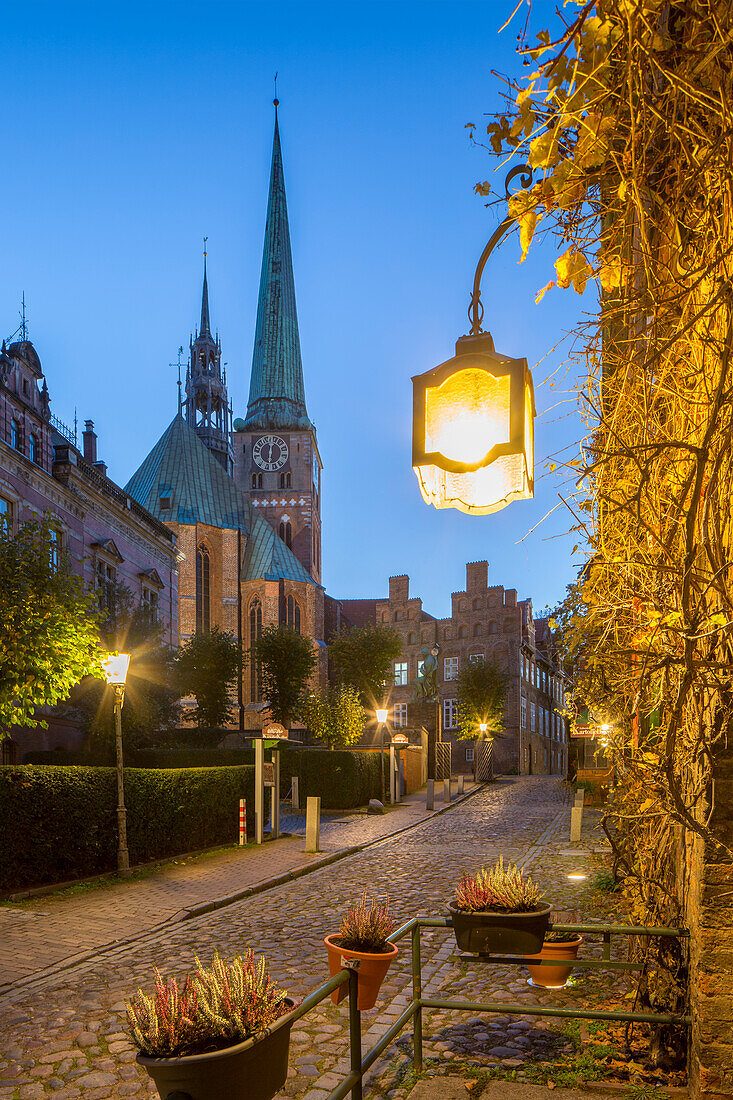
[473, 416]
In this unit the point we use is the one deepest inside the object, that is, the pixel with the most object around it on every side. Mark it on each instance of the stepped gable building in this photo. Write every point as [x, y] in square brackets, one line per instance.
[487, 623]
[245, 505]
[110, 539]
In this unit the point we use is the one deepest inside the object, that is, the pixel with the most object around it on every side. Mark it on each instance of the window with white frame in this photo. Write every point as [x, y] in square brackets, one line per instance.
[450, 668]
[523, 704]
[450, 713]
[532, 717]
[476, 658]
[400, 673]
[54, 549]
[399, 714]
[469, 756]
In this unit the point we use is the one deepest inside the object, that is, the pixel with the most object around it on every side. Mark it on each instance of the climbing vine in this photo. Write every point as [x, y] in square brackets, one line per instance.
[625, 116]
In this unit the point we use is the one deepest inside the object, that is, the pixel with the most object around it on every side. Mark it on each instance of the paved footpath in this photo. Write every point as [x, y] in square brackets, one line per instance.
[63, 1033]
[61, 929]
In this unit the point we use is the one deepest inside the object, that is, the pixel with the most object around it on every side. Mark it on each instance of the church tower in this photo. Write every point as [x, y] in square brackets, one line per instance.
[275, 450]
[206, 407]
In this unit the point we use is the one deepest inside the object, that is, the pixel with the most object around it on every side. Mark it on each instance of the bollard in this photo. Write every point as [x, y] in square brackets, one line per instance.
[430, 798]
[295, 802]
[242, 822]
[576, 820]
[446, 790]
[313, 823]
[461, 783]
[580, 796]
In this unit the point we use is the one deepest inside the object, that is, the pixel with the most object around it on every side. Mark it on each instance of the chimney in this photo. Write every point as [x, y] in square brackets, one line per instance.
[101, 467]
[90, 441]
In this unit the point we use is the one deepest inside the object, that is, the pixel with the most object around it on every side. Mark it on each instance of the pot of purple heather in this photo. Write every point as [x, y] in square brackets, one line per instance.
[223, 1032]
[498, 911]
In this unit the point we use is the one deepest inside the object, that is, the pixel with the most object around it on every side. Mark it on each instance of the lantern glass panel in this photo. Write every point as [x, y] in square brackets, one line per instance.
[467, 415]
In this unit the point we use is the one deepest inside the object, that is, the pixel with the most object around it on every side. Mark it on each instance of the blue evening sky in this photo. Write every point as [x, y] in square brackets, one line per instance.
[132, 130]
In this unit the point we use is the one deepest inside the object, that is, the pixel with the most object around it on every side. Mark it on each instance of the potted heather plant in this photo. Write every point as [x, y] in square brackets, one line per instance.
[499, 911]
[362, 944]
[558, 946]
[225, 1032]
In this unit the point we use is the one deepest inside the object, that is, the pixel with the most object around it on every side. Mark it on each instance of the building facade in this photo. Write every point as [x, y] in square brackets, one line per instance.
[109, 538]
[487, 623]
[244, 504]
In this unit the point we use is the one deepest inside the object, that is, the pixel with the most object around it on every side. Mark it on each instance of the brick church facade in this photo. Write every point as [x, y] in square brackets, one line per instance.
[487, 623]
[244, 498]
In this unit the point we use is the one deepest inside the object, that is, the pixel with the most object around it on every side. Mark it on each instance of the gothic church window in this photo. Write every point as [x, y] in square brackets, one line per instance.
[203, 589]
[256, 481]
[285, 480]
[290, 613]
[255, 630]
[286, 533]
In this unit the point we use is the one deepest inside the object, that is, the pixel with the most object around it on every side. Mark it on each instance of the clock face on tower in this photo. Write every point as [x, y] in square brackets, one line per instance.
[270, 452]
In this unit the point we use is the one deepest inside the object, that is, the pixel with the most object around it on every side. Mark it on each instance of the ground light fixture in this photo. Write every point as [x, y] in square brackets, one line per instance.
[577, 876]
[115, 666]
[473, 415]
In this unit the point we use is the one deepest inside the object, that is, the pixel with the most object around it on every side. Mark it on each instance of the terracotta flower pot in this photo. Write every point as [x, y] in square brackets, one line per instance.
[253, 1070]
[554, 977]
[496, 933]
[370, 970]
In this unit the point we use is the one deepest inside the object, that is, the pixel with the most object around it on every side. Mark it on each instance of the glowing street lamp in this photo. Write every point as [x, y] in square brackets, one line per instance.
[115, 667]
[473, 416]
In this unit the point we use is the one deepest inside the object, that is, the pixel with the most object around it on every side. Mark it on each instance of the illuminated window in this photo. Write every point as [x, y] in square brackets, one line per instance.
[400, 673]
[450, 668]
[203, 589]
[450, 713]
[399, 713]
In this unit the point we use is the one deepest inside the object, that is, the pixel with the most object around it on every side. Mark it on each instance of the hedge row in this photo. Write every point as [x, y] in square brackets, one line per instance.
[59, 823]
[342, 777]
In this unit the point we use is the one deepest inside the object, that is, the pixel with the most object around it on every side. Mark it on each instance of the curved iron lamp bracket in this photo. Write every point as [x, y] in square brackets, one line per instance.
[476, 309]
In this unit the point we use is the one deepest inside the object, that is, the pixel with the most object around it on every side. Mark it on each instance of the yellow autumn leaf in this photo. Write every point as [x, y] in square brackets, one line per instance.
[572, 267]
[610, 272]
[527, 224]
[543, 150]
[541, 293]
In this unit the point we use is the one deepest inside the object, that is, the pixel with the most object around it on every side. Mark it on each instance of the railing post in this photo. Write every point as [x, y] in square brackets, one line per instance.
[606, 945]
[416, 996]
[355, 1034]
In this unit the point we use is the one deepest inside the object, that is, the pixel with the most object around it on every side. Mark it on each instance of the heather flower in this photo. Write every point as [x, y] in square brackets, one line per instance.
[498, 888]
[366, 927]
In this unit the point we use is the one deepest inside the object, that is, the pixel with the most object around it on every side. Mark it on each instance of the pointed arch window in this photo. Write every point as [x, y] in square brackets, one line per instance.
[255, 630]
[203, 589]
[286, 480]
[286, 533]
[256, 481]
[290, 613]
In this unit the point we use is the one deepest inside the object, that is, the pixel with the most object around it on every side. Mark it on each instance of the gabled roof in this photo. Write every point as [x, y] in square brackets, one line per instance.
[277, 392]
[180, 481]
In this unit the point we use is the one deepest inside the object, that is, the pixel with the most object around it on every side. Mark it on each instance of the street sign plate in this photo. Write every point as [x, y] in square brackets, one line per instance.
[268, 775]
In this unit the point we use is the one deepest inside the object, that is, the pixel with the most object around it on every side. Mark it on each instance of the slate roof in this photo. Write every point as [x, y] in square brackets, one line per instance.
[277, 391]
[181, 470]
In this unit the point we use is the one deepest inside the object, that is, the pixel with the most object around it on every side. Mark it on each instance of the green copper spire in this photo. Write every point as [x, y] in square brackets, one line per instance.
[276, 391]
[205, 329]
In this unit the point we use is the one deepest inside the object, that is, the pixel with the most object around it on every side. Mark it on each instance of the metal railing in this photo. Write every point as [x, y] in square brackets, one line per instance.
[360, 1062]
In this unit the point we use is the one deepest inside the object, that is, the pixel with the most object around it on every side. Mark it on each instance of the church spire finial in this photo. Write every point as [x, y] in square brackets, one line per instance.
[205, 329]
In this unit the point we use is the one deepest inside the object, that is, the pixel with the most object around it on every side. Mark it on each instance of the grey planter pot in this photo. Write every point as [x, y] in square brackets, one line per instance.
[500, 933]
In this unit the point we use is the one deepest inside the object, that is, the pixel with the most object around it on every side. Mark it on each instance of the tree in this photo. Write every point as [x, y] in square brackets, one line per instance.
[481, 691]
[334, 716]
[151, 691]
[48, 626]
[362, 657]
[207, 667]
[285, 660]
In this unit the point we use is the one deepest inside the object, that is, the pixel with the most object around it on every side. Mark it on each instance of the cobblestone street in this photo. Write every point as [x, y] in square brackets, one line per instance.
[63, 1035]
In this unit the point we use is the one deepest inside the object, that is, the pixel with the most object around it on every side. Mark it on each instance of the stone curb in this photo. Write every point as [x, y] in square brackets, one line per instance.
[42, 976]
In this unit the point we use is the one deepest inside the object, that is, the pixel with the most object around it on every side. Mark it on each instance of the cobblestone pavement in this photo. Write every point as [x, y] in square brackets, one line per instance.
[64, 1035]
[65, 928]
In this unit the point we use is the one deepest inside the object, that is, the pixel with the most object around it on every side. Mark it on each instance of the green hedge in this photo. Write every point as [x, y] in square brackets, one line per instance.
[148, 758]
[60, 823]
[343, 778]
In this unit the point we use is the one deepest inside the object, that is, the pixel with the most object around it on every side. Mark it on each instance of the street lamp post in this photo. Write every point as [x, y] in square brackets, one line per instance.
[473, 416]
[381, 723]
[115, 673]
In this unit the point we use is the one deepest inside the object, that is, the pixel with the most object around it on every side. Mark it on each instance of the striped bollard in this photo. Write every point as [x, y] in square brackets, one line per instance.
[242, 822]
